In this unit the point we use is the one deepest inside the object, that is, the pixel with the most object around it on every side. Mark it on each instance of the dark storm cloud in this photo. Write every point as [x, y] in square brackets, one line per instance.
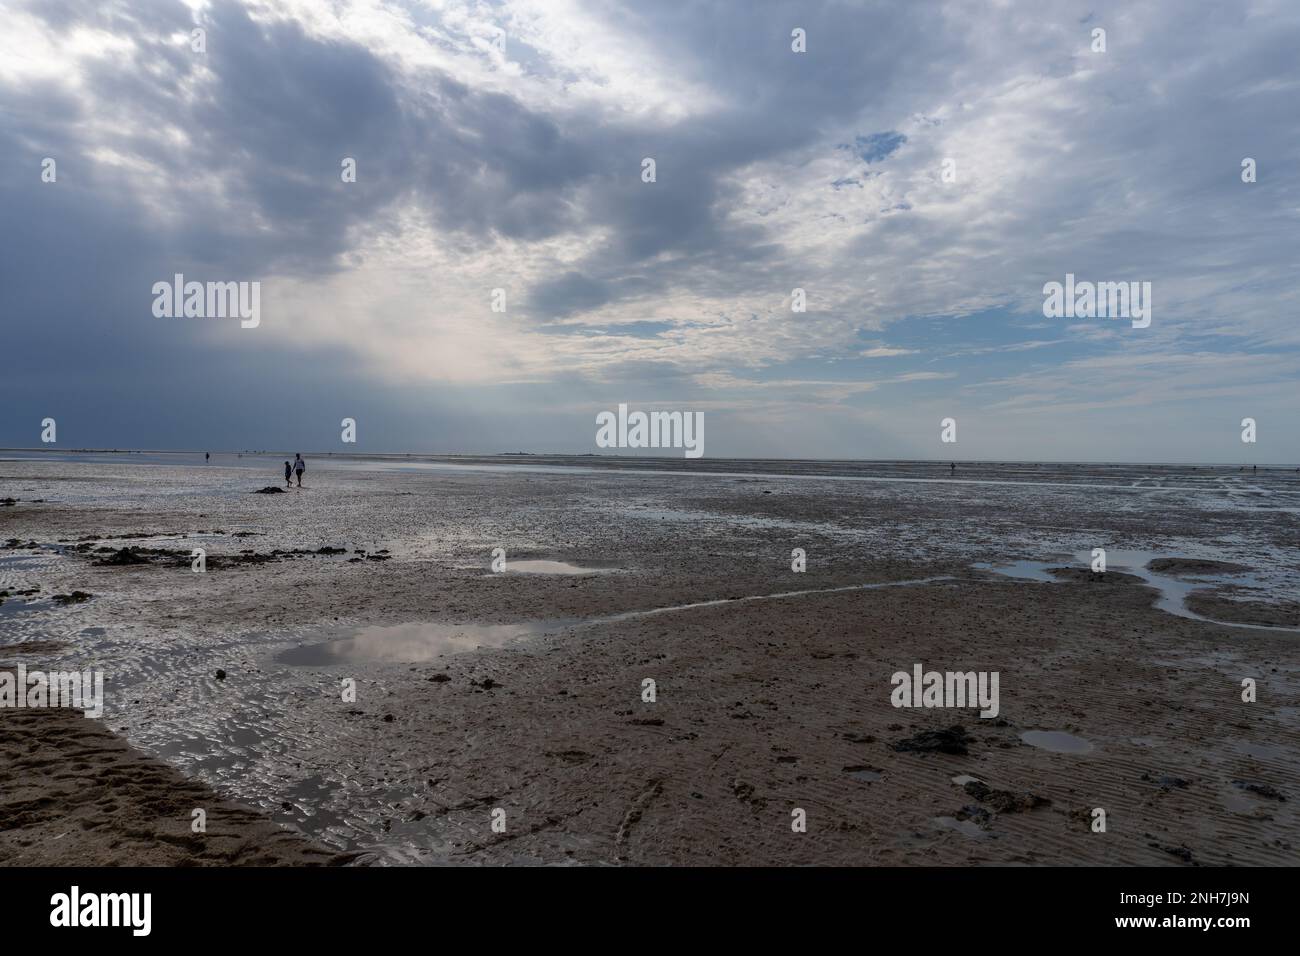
[569, 292]
[284, 110]
[286, 107]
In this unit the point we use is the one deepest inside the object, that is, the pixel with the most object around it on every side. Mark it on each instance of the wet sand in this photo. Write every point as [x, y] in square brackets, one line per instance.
[765, 703]
[76, 794]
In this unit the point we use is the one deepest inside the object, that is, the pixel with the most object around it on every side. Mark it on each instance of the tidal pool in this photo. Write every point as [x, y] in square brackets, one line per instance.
[1173, 591]
[411, 643]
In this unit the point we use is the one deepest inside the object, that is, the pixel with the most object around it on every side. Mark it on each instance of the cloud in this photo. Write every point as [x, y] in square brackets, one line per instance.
[885, 352]
[499, 145]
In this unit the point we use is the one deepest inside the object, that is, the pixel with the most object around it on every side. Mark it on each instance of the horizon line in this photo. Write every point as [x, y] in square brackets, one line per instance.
[667, 458]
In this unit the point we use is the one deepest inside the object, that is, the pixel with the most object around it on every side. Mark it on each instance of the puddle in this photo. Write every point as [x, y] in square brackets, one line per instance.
[865, 774]
[1239, 803]
[964, 778]
[412, 643]
[1263, 751]
[549, 567]
[965, 827]
[1057, 741]
[423, 641]
[23, 562]
[1172, 591]
[17, 605]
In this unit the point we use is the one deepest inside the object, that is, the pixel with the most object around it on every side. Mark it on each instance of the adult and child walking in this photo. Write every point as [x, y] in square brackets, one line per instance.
[297, 468]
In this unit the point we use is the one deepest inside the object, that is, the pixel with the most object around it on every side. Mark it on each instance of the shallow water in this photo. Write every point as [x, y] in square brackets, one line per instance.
[1139, 478]
[549, 567]
[21, 562]
[964, 827]
[1263, 751]
[410, 643]
[1173, 591]
[865, 774]
[14, 606]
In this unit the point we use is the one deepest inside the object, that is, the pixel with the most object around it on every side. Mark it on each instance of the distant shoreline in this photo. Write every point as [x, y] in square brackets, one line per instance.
[586, 458]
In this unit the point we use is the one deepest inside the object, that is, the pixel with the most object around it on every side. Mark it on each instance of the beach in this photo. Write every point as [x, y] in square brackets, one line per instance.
[350, 672]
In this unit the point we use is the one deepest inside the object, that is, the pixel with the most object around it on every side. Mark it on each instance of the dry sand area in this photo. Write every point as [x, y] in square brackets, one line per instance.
[227, 684]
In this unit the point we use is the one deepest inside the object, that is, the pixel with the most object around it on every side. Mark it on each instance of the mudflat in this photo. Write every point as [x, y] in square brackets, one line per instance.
[349, 664]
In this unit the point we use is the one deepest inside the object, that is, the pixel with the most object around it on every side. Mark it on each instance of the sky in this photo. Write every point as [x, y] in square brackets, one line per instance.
[920, 170]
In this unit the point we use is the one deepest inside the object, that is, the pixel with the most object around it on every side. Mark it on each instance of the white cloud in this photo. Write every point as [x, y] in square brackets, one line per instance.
[885, 352]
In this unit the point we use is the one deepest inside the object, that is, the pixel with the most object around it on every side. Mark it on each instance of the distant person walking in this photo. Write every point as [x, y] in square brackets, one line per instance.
[288, 475]
[207, 456]
[299, 466]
